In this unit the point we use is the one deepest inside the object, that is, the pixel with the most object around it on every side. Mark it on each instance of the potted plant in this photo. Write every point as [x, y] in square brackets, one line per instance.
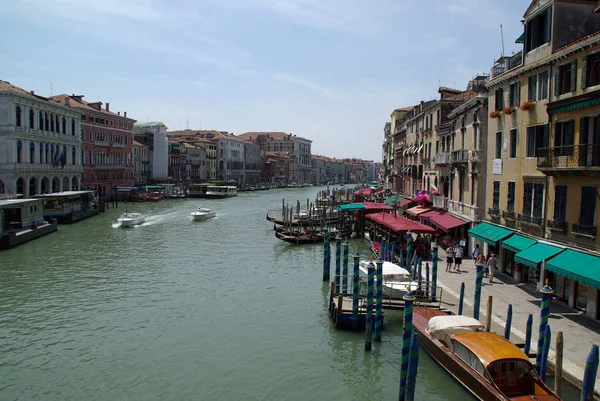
[495, 114]
[508, 110]
[528, 105]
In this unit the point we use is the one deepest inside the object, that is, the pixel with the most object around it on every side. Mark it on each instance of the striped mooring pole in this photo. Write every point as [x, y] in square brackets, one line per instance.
[434, 267]
[345, 245]
[478, 281]
[528, 331]
[409, 241]
[545, 351]
[393, 253]
[544, 313]
[420, 272]
[378, 300]
[356, 258]
[338, 263]
[326, 256]
[413, 364]
[427, 280]
[509, 314]
[461, 299]
[369, 316]
[589, 375]
[409, 299]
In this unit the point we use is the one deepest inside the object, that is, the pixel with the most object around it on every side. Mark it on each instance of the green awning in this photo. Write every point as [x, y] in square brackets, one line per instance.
[390, 200]
[352, 206]
[533, 255]
[489, 233]
[521, 39]
[578, 266]
[517, 243]
[574, 106]
[373, 185]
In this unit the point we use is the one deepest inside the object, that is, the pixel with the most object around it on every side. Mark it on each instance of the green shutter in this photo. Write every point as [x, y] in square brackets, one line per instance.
[583, 72]
[573, 75]
[570, 134]
[557, 81]
[518, 97]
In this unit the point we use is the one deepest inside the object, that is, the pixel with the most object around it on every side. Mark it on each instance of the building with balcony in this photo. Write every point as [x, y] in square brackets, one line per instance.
[194, 161]
[278, 168]
[398, 138]
[141, 163]
[106, 141]
[40, 144]
[387, 155]
[541, 154]
[154, 135]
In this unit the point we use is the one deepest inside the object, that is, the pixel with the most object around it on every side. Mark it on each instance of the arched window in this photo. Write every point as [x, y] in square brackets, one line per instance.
[18, 115]
[51, 122]
[46, 122]
[41, 153]
[20, 186]
[73, 154]
[64, 125]
[19, 153]
[73, 126]
[47, 154]
[51, 158]
[41, 122]
[31, 153]
[31, 118]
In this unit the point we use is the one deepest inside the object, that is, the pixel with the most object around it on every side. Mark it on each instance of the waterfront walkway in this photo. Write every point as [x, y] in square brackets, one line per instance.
[579, 331]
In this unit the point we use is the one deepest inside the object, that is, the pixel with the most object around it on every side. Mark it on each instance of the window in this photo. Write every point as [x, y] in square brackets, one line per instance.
[514, 94]
[591, 70]
[533, 199]
[41, 126]
[513, 143]
[566, 78]
[31, 118]
[537, 86]
[564, 138]
[532, 88]
[64, 125]
[73, 126]
[543, 80]
[587, 213]
[537, 138]
[18, 116]
[510, 203]
[539, 30]
[499, 99]
[498, 154]
[560, 203]
[496, 197]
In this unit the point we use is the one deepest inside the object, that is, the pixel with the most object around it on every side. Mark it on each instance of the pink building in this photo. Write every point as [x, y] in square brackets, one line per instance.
[106, 143]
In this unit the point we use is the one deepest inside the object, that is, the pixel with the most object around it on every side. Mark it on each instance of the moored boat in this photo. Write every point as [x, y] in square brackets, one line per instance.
[299, 238]
[489, 366]
[396, 282]
[203, 213]
[128, 219]
[215, 191]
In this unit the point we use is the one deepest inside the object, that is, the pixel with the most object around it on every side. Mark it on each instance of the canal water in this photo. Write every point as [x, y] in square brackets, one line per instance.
[182, 310]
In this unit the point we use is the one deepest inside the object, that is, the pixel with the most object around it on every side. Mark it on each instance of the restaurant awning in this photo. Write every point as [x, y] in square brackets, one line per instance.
[517, 243]
[533, 255]
[405, 202]
[351, 206]
[399, 224]
[390, 200]
[577, 266]
[489, 233]
[443, 220]
[368, 207]
[417, 210]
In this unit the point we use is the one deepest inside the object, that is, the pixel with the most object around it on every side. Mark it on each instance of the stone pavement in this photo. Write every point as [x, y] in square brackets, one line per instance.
[579, 331]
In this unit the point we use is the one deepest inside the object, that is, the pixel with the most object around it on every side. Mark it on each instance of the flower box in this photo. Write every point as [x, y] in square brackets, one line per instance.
[495, 114]
[508, 110]
[528, 105]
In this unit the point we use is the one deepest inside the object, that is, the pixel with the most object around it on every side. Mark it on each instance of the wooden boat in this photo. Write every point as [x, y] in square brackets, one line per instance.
[300, 238]
[301, 222]
[489, 366]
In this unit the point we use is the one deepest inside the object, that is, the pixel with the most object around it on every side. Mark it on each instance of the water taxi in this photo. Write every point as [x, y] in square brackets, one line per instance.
[22, 220]
[486, 364]
[128, 219]
[69, 206]
[197, 190]
[215, 191]
[203, 213]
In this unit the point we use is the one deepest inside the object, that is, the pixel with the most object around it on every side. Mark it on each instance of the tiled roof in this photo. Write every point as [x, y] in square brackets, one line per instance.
[277, 136]
[6, 86]
[462, 97]
[445, 89]
[78, 103]
[578, 40]
[136, 143]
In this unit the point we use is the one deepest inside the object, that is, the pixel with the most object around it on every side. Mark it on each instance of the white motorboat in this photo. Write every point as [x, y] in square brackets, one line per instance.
[203, 213]
[396, 279]
[131, 219]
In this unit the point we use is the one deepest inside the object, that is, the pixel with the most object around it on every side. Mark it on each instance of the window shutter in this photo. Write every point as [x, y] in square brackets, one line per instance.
[570, 134]
[557, 81]
[548, 32]
[583, 72]
[518, 95]
[573, 75]
[583, 130]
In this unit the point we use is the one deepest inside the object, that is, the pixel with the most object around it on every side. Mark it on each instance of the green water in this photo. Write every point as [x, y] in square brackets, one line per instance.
[182, 310]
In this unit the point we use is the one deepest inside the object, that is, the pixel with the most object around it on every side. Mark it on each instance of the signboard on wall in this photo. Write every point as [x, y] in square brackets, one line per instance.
[497, 167]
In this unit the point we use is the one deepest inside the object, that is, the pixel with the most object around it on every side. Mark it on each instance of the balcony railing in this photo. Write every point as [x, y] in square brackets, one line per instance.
[536, 221]
[506, 64]
[572, 157]
[34, 167]
[581, 229]
[556, 225]
[442, 158]
[440, 202]
[460, 156]
[508, 215]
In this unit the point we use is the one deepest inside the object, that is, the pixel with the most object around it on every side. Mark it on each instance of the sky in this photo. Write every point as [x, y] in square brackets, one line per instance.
[328, 70]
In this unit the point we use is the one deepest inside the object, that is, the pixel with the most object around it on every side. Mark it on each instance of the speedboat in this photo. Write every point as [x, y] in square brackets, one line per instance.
[131, 219]
[203, 213]
[396, 280]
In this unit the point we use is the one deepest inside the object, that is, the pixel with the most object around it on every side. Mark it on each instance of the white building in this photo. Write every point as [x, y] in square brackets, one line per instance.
[154, 135]
[303, 152]
[40, 144]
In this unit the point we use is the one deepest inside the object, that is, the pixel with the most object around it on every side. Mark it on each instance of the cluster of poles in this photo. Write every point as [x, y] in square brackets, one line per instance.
[410, 342]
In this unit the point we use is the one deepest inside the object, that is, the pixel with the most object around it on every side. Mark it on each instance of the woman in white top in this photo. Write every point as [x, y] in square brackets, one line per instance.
[449, 258]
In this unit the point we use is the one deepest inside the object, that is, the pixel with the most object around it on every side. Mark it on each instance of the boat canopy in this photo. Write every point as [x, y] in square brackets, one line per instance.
[453, 324]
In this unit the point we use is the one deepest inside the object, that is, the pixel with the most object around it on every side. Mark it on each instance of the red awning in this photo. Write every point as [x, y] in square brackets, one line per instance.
[372, 207]
[405, 202]
[399, 224]
[443, 220]
[364, 192]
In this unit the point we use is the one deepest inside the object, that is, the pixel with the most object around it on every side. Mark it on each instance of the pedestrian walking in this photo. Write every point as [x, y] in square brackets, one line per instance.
[449, 258]
[491, 265]
[476, 252]
[458, 255]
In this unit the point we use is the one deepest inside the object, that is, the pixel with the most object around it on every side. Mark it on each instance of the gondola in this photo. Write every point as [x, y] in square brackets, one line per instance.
[300, 239]
[301, 222]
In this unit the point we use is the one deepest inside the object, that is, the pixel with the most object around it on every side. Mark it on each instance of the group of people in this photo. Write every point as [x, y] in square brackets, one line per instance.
[454, 255]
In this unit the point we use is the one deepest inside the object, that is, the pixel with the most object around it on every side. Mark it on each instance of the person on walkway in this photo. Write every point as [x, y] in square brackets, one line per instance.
[458, 255]
[476, 252]
[491, 265]
[449, 258]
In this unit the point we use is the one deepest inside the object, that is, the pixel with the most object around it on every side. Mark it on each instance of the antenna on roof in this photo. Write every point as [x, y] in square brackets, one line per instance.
[187, 121]
[502, 37]
[51, 90]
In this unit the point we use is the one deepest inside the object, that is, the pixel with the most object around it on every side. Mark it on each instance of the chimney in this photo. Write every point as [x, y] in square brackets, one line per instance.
[32, 92]
[107, 106]
[125, 114]
[67, 101]
[118, 113]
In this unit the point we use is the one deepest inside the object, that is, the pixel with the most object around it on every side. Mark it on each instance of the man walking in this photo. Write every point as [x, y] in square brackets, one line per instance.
[491, 266]
[449, 258]
[458, 255]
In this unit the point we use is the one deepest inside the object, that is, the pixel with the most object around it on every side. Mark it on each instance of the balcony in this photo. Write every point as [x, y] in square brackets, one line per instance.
[509, 215]
[33, 167]
[505, 64]
[464, 209]
[440, 202]
[442, 158]
[531, 220]
[494, 212]
[560, 226]
[569, 160]
[583, 230]
[460, 156]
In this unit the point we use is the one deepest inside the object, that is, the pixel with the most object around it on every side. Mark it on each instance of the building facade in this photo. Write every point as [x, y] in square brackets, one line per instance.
[40, 144]
[154, 135]
[141, 163]
[252, 164]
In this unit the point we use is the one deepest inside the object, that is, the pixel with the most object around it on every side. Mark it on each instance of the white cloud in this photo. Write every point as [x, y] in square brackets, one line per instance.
[306, 83]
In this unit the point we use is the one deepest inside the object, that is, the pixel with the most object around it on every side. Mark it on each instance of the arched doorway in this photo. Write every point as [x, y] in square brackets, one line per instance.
[21, 186]
[32, 186]
[55, 184]
[45, 185]
[74, 184]
[66, 185]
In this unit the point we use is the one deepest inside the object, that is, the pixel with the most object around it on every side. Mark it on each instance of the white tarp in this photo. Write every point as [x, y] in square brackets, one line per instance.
[453, 324]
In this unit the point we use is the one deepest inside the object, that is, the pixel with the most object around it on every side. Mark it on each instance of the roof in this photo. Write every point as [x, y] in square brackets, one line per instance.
[490, 347]
[64, 194]
[6, 86]
[446, 89]
[136, 143]
[149, 124]
[399, 223]
[276, 136]
[537, 253]
[448, 322]
[578, 266]
[489, 233]
[442, 220]
[462, 97]
[517, 243]
[17, 202]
